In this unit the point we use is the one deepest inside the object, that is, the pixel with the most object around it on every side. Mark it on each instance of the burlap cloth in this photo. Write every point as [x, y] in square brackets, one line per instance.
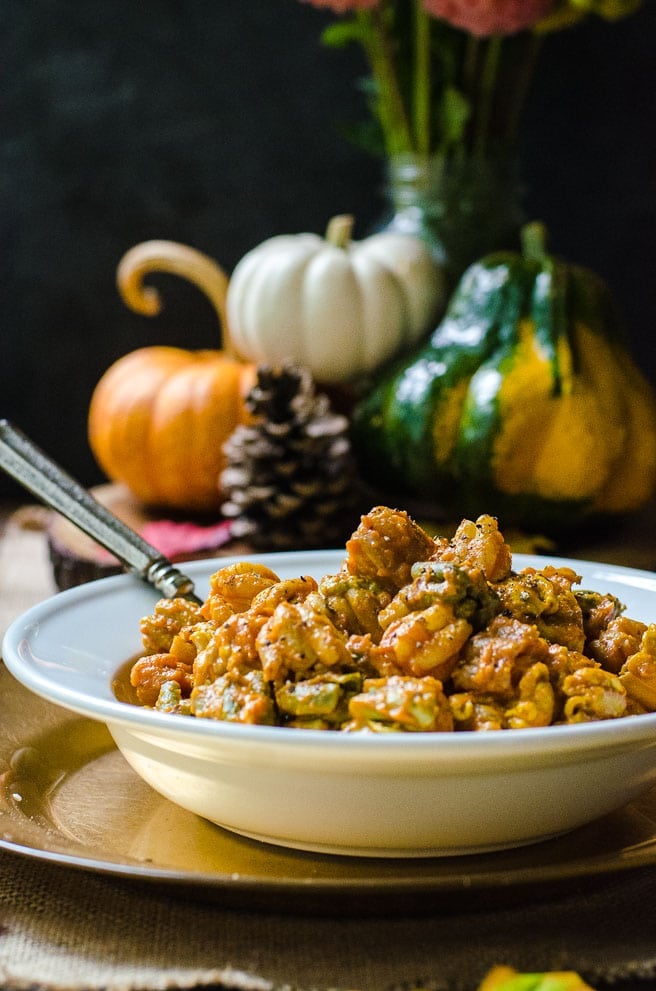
[65, 928]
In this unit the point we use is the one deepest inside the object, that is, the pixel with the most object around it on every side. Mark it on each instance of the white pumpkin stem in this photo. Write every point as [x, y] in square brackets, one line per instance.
[339, 230]
[174, 259]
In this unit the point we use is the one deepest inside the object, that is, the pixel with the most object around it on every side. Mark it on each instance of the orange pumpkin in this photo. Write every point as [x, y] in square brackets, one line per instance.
[158, 419]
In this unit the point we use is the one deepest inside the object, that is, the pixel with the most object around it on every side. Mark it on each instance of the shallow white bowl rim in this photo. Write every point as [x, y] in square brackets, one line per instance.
[35, 663]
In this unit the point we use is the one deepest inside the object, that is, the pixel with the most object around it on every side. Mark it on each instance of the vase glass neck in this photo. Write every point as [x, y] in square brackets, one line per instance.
[464, 207]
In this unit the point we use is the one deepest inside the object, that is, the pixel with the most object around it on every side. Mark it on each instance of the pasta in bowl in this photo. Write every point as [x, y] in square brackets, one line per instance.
[412, 634]
[399, 747]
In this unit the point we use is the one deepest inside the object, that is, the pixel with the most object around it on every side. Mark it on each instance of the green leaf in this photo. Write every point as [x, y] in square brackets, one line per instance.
[568, 12]
[613, 10]
[521, 982]
[549, 981]
[341, 33]
[365, 135]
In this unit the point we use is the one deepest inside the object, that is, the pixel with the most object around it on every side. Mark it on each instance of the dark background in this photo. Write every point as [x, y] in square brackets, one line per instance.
[218, 124]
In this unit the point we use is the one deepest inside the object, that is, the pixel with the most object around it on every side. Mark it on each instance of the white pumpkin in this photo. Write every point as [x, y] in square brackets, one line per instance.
[339, 307]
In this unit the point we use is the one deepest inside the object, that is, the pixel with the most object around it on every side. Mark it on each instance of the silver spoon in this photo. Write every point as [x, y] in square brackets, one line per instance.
[35, 471]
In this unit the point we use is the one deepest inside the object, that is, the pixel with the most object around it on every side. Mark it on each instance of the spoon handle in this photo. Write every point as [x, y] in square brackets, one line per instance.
[46, 480]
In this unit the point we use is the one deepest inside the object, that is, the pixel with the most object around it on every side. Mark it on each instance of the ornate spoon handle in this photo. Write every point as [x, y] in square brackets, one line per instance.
[35, 471]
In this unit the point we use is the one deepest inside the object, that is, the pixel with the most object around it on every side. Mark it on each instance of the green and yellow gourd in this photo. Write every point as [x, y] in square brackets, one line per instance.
[524, 403]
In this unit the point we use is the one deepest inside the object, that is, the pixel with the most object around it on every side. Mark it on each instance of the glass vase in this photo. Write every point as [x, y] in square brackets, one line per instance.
[462, 207]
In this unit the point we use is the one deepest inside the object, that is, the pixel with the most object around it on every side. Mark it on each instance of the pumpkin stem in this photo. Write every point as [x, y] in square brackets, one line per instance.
[339, 230]
[175, 259]
[534, 241]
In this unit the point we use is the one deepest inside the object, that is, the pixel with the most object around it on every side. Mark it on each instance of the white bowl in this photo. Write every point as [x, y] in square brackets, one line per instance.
[390, 795]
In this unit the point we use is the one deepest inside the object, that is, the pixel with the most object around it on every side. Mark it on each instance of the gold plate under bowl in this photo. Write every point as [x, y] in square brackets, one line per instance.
[420, 795]
[68, 797]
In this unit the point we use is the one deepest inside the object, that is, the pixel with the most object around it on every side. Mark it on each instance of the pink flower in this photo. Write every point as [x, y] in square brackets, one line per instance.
[343, 6]
[485, 17]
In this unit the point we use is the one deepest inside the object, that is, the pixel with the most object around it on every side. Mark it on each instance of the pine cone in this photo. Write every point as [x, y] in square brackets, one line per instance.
[290, 478]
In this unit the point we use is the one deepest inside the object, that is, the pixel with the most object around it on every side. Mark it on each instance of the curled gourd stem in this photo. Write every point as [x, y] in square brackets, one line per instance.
[174, 259]
[339, 231]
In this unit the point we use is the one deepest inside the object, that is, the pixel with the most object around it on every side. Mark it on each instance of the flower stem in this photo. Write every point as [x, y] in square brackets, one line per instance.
[487, 91]
[469, 64]
[391, 111]
[422, 80]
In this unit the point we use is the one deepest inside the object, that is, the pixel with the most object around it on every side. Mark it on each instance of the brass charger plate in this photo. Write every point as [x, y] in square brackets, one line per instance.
[67, 796]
